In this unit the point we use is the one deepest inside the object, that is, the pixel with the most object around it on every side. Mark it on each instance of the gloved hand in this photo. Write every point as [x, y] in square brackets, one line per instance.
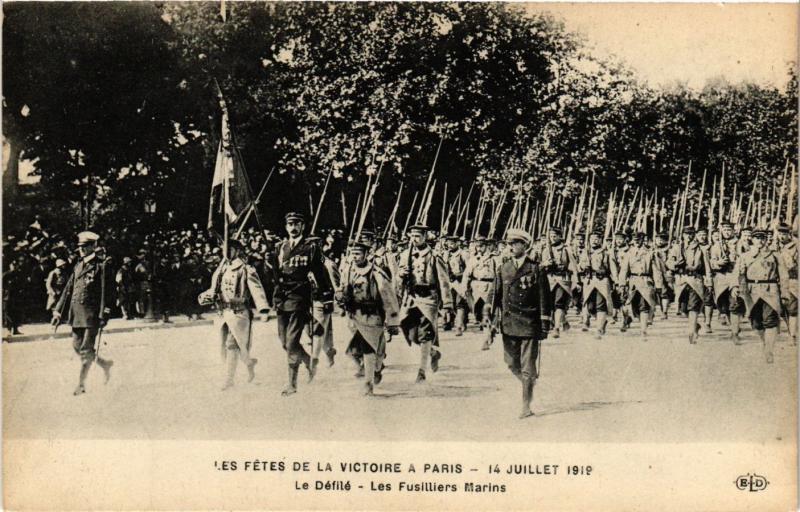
[393, 330]
[56, 319]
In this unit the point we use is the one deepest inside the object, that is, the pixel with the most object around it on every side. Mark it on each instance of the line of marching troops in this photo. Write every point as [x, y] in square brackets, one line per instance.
[518, 287]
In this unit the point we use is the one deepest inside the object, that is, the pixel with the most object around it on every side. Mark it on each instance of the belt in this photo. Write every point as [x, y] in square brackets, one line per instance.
[367, 309]
[422, 290]
[235, 306]
[690, 274]
[485, 279]
[560, 274]
[762, 281]
[641, 275]
[598, 275]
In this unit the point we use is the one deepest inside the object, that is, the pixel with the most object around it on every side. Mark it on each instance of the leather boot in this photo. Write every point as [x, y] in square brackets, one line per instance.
[693, 327]
[291, 387]
[735, 328]
[708, 313]
[436, 354]
[527, 398]
[369, 369]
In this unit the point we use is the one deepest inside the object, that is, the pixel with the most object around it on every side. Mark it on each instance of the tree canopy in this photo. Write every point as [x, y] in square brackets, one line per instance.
[116, 104]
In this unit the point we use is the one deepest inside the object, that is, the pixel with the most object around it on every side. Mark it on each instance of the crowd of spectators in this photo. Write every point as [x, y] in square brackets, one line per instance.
[157, 274]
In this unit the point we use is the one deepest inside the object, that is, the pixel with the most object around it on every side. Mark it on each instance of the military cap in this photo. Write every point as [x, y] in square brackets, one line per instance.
[555, 229]
[640, 235]
[367, 233]
[582, 231]
[518, 235]
[360, 244]
[418, 227]
[747, 228]
[784, 228]
[689, 230]
[391, 238]
[452, 237]
[60, 263]
[620, 233]
[295, 217]
[126, 259]
[479, 238]
[598, 231]
[662, 234]
[701, 230]
[87, 237]
[726, 224]
[760, 234]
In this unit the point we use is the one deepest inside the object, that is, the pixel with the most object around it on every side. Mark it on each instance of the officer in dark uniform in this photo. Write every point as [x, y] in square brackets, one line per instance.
[293, 260]
[522, 291]
[86, 300]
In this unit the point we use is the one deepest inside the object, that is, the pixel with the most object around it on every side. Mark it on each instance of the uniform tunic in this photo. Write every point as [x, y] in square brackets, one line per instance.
[423, 294]
[291, 266]
[478, 280]
[597, 268]
[561, 272]
[691, 267]
[88, 293]
[523, 295]
[722, 258]
[371, 304]
[760, 277]
[642, 272]
[237, 288]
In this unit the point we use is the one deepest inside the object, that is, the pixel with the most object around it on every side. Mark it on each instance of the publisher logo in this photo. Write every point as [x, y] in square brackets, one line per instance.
[751, 482]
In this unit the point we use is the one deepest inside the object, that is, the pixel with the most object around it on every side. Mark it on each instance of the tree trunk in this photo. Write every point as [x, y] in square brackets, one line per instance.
[11, 170]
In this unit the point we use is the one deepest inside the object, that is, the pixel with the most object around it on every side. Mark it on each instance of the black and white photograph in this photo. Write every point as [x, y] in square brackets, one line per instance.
[399, 255]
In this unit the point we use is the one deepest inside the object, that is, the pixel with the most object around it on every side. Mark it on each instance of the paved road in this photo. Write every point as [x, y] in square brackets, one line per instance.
[166, 385]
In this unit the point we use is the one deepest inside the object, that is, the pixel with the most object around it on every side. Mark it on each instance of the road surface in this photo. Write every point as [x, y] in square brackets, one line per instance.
[166, 385]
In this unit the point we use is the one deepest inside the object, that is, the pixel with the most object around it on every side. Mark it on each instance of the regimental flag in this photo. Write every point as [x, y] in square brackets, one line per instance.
[230, 190]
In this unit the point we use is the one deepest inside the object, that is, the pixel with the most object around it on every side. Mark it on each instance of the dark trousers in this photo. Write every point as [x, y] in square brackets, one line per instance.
[83, 341]
[290, 330]
[520, 355]
[596, 303]
[638, 304]
[418, 329]
[762, 316]
[690, 301]
[561, 298]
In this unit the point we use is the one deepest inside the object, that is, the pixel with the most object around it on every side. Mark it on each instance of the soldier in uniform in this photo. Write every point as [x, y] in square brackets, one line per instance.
[523, 295]
[478, 284]
[367, 295]
[788, 253]
[761, 277]
[722, 258]
[292, 262]
[321, 326]
[667, 294]
[561, 270]
[641, 272]
[236, 290]
[597, 268]
[617, 254]
[55, 283]
[692, 272]
[708, 297]
[425, 286]
[456, 259]
[576, 248]
[86, 298]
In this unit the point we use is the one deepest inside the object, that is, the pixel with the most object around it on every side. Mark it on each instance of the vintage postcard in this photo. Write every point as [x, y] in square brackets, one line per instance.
[399, 256]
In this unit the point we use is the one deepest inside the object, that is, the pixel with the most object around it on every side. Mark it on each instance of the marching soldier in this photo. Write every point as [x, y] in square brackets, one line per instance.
[617, 253]
[557, 260]
[236, 290]
[125, 288]
[708, 297]
[641, 272]
[576, 248]
[456, 259]
[596, 266]
[692, 272]
[367, 295]
[478, 284]
[722, 258]
[292, 262]
[788, 253]
[321, 325]
[761, 275]
[424, 285]
[667, 294]
[86, 298]
[523, 294]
